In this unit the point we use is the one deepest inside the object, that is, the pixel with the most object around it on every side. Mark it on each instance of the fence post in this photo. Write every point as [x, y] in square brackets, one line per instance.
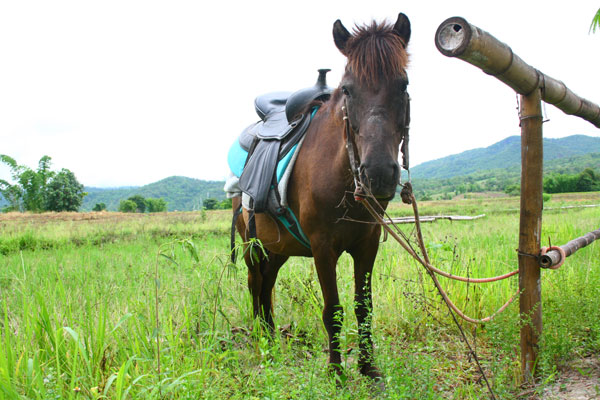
[530, 300]
[455, 37]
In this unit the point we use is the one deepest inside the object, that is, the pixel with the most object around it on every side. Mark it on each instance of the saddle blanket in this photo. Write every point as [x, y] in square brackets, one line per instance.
[236, 158]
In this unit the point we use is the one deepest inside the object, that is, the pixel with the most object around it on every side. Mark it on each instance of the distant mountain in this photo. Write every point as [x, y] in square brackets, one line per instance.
[493, 168]
[506, 155]
[497, 168]
[179, 192]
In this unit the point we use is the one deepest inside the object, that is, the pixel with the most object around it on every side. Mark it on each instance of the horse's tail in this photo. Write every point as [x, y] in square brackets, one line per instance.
[236, 214]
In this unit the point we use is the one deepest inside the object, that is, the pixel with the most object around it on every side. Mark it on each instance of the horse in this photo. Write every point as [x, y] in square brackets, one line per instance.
[352, 143]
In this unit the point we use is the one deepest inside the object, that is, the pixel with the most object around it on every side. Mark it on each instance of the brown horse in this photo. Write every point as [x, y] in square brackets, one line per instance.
[369, 110]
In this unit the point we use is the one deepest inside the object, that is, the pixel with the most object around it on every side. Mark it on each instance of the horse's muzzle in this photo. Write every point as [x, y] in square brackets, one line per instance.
[381, 180]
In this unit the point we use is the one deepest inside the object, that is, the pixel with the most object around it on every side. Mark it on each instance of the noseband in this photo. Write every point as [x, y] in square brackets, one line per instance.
[349, 136]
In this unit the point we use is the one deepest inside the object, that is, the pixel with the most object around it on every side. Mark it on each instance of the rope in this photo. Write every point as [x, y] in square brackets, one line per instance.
[428, 267]
[472, 280]
[425, 263]
[563, 255]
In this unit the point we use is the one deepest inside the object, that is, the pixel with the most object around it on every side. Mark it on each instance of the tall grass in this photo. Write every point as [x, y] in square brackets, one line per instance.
[78, 307]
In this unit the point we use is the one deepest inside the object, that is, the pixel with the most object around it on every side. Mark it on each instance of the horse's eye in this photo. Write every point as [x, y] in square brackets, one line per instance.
[345, 91]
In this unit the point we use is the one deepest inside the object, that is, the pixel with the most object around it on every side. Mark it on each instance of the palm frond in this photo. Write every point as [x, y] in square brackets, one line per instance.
[595, 22]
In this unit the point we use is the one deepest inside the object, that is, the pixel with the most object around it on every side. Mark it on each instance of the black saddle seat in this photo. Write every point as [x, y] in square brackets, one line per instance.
[284, 120]
[293, 103]
[298, 102]
[267, 103]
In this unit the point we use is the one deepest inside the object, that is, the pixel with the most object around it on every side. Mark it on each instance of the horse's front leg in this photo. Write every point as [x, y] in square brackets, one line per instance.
[364, 258]
[325, 263]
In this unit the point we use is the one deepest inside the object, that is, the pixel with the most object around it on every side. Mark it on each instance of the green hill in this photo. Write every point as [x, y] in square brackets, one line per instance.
[498, 166]
[179, 192]
[505, 154]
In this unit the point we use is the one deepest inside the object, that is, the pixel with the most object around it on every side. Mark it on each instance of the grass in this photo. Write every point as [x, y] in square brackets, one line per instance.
[77, 312]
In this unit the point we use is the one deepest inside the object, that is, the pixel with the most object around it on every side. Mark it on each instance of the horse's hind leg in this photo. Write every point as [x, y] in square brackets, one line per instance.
[325, 263]
[364, 258]
[262, 274]
[263, 267]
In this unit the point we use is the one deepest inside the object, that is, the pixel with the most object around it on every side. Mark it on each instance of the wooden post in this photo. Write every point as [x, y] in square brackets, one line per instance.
[455, 37]
[530, 300]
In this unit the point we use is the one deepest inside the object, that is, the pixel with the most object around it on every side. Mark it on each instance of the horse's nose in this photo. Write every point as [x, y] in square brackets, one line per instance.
[381, 177]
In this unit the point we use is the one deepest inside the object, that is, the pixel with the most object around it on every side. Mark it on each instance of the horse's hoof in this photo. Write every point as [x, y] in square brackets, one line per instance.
[337, 372]
[378, 381]
[378, 385]
[372, 372]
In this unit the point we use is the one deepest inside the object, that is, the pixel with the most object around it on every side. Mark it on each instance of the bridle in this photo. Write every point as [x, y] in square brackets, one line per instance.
[349, 136]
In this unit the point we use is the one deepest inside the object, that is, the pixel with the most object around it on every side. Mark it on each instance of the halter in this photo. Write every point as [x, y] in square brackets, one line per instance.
[352, 155]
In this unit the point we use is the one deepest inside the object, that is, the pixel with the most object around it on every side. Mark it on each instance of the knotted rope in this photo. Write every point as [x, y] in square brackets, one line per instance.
[396, 233]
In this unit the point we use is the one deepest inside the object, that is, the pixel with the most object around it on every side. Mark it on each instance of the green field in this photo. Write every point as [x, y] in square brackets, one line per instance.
[80, 294]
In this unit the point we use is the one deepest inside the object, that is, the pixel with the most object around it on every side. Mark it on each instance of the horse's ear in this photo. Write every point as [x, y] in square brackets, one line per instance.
[402, 28]
[340, 36]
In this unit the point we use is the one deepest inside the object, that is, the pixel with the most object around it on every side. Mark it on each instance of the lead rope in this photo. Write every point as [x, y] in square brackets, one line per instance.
[362, 195]
[425, 263]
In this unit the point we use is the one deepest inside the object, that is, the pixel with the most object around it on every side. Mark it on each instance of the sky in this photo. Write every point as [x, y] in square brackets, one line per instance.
[125, 93]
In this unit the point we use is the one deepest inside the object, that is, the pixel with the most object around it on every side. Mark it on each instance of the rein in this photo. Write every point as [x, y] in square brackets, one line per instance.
[351, 149]
[349, 136]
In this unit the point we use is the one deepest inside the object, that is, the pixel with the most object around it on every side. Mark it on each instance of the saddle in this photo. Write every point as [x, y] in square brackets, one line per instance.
[264, 152]
[284, 120]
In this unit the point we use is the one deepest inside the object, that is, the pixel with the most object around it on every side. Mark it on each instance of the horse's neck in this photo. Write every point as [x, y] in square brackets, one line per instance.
[328, 147]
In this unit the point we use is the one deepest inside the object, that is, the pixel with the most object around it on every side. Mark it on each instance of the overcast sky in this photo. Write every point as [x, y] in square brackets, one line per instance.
[131, 92]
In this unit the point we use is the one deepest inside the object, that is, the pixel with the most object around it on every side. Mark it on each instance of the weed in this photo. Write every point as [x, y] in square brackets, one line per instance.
[78, 317]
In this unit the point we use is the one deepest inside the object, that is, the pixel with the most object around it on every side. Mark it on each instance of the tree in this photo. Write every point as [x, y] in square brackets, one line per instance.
[156, 205]
[42, 189]
[585, 181]
[63, 192]
[28, 191]
[12, 193]
[512, 190]
[226, 204]
[140, 202]
[210, 204]
[99, 207]
[127, 206]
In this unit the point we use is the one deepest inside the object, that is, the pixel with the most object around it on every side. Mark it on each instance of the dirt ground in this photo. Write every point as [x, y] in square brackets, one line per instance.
[577, 381]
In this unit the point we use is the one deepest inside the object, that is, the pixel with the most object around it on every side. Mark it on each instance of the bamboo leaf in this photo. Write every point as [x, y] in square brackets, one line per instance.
[171, 259]
[595, 22]
[191, 248]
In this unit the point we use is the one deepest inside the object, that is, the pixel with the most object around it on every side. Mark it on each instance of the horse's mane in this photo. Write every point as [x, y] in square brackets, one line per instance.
[375, 53]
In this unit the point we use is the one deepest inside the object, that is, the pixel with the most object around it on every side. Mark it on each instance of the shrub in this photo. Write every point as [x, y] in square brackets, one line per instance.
[99, 207]
[127, 206]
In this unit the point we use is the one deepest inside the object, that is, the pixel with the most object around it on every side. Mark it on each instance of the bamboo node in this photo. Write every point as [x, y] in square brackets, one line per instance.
[560, 250]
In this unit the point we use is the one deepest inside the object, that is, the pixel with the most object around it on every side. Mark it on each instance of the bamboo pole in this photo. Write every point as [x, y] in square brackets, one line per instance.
[530, 298]
[553, 257]
[433, 218]
[455, 37]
